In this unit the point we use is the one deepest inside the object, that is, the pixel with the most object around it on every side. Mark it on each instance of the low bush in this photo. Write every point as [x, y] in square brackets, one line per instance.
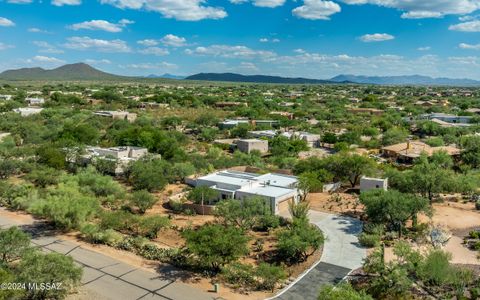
[369, 240]
[238, 274]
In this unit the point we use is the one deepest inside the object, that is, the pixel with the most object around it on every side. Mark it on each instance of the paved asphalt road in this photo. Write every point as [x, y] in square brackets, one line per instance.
[342, 253]
[106, 277]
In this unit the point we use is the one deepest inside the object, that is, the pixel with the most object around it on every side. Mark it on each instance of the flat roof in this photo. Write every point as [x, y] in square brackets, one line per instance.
[278, 179]
[268, 191]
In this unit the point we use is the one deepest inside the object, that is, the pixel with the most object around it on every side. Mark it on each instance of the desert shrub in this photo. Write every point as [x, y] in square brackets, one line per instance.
[150, 225]
[435, 269]
[268, 221]
[143, 200]
[269, 276]
[238, 274]
[369, 240]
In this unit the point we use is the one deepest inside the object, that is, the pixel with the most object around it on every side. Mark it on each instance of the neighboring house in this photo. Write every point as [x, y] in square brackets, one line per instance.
[35, 101]
[3, 135]
[231, 123]
[313, 140]
[117, 115]
[28, 111]
[269, 134]
[286, 114]
[470, 110]
[226, 104]
[6, 97]
[121, 155]
[153, 105]
[249, 145]
[367, 184]
[278, 189]
[409, 151]
[371, 111]
[447, 118]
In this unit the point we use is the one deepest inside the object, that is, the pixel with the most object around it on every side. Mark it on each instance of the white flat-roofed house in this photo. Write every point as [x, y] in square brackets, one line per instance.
[28, 111]
[6, 97]
[313, 140]
[249, 145]
[121, 155]
[231, 123]
[368, 183]
[277, 189]
[35, 101]
[117, 115]
[269, 134]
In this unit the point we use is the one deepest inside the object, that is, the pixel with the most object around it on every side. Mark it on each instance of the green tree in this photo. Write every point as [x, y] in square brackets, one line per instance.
[392, 208]
[216, 245]
[152, 175]
[299, 241]
[143, 200]
[13, 244]
[203, 195]
[49, 269]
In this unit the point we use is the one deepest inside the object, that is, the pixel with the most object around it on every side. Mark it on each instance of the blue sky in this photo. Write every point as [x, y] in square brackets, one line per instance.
[309, 38]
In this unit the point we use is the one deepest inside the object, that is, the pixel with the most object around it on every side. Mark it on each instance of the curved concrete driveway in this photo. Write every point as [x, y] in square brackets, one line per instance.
[342, 253]
[341, 244]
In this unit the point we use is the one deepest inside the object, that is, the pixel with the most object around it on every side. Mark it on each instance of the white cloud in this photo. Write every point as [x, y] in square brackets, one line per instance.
[66, 2]
[426, 48]
[266, 40]
[184, 10]
[154, 51]
[5, 46]
[19, 1]
[299, 51]
[376, 37]
[101, 25]
[37, 30]
[469, 46]
[47, 59]
[173, 41]
[46, 47]
[261, 3]
[148, 42]
[87, 43]
[227, 51]
[4, 22]
[97, 61]
[316, 10]
[425, 9]
[151, 66]
[472, 26]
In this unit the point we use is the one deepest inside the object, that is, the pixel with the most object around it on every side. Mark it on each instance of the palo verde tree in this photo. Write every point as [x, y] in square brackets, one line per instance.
[393, 208]
[215, 245]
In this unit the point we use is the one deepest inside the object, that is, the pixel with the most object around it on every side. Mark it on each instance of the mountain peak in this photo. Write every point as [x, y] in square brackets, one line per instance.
[76, 71]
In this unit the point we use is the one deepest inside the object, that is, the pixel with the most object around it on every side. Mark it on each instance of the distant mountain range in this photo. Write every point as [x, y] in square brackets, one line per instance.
[166, 76]
[82, 71]
[377, 80]
[79, 71]
[232, 77]
[404, 80]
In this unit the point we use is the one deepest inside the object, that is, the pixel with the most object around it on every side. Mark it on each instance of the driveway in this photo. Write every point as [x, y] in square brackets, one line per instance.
[105, 277]
[341, 239]
[342, 253]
